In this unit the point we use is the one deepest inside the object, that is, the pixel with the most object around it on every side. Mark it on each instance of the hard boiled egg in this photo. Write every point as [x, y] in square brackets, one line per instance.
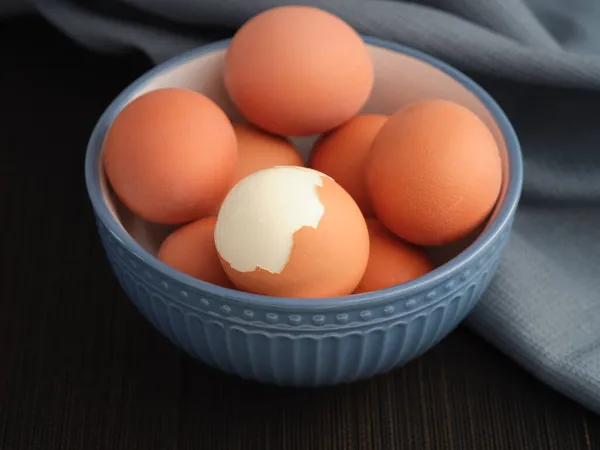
[392, 261]
[292, 232]
[342, 154]
[191, 250]
[170, 155]
[434, 172]
[298, 70]
[259, 150]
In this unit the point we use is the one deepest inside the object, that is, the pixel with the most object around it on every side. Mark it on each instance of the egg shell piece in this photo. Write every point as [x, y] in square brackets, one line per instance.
[293, 232]
[392, 261]
[170, 155]
[191, 250]
[298, 70]
[434, 172]
[342, 154]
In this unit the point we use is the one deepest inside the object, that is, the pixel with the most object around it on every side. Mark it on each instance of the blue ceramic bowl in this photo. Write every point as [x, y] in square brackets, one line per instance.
[298, 342]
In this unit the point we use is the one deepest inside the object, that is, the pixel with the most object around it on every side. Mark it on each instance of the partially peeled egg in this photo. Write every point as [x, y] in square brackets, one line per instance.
[292, 232]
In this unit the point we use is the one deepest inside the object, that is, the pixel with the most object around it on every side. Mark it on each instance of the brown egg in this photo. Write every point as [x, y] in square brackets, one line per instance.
[191, 250]
[342, 154]
[259, 150]
[392, 261]
[433, 173]
[170, 155]
[292, 232]
[298, 70]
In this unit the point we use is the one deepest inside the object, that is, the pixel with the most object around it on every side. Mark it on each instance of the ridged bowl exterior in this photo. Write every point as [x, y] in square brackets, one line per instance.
[294, 342]
[295, 348]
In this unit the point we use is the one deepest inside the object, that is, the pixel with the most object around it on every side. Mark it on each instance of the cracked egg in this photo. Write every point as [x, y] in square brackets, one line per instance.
[291, 231]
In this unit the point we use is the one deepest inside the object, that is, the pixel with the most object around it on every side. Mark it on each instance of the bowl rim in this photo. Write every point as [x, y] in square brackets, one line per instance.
[424, 283]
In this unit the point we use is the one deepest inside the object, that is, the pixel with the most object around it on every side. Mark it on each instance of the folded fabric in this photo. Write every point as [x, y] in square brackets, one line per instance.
[541, 60]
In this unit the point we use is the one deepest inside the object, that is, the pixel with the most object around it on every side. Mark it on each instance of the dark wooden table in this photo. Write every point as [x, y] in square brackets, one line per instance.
[81, 369]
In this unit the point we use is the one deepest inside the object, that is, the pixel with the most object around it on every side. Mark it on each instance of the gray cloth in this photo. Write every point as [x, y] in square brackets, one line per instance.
[541, 60]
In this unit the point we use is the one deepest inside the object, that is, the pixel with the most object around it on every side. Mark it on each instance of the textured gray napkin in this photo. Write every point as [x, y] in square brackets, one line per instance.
[541, 60]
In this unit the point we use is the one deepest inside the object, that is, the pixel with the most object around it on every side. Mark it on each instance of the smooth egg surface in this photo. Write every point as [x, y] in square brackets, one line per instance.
[259, 150]
[298, 71]
[342, 154]
[191, 250]
[170, 155]
[392, 261]
[434, 172]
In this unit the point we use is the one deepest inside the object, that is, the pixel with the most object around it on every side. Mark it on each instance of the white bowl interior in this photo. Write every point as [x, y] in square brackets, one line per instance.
[399, 79]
